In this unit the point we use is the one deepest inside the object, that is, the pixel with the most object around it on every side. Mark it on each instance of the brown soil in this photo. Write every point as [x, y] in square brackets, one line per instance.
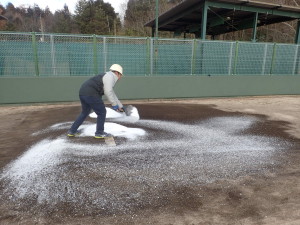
[270, 196]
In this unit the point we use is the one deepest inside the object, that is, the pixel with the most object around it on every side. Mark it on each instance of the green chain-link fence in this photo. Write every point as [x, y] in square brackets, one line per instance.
[36, 54]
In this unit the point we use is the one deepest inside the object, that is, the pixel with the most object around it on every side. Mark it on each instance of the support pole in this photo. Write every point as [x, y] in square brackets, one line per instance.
[156, 37]
[149, 57]
[156, 18]
[204, 20]
[53, 55]
[95, 57]
[35, 55]
[254, 27]
[273, 59]
[297, 39]
[104, 54]
[236, 57]
[193, 60]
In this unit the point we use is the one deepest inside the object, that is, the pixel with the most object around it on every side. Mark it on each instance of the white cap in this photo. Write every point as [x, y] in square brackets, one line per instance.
[116, 67]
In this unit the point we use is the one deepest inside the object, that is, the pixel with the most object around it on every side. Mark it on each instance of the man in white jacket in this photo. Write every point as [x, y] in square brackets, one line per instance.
[90, 95]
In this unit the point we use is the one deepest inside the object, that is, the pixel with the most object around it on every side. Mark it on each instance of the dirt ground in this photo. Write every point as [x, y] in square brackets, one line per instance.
[267, 195]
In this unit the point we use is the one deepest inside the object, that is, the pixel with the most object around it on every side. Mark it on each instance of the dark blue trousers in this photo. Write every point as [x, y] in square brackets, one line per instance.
[89, 103]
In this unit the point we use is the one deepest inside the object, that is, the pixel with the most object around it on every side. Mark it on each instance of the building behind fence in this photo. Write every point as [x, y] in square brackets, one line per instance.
[35, 54]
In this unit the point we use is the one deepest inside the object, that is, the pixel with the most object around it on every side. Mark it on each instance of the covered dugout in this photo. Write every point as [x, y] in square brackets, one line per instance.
[215, 17]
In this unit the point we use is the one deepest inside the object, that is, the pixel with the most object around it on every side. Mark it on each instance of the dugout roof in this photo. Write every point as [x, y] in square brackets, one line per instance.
[214, 17]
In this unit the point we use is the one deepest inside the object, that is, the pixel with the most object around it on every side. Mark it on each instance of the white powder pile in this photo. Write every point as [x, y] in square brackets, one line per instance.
[115, 129]
[120, 117]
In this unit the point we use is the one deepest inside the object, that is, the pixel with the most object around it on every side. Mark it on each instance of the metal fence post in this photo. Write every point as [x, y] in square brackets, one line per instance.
[194, 46]
[156, 60]
[273, 58]
[151, 56]
[53, 55]
[104, 53]
[230, 59]
[35, 55]
[264, 59]
[236, 57]
[295, 60]
[148, 57]
[201, 57]
[95, 54]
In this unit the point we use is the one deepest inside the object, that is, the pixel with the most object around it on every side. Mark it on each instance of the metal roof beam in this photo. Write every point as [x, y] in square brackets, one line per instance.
[178, 16]
[242, 7]
[215, 21]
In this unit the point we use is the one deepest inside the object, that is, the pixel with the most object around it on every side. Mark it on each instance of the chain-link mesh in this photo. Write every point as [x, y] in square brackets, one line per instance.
[172, 57]
[285, 59]
[214, 57]
[16, 55]
[72, 56]
[250, 58]
[131, 53]
[36, 54]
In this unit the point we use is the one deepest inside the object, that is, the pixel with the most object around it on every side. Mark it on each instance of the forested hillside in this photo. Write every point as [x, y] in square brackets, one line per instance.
[98, 17]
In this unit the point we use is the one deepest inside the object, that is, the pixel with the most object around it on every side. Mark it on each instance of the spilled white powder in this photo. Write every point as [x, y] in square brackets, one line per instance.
[117, 178]
[40, 159]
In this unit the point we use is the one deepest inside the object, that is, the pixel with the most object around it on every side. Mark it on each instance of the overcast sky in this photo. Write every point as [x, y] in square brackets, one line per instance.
[59, 4]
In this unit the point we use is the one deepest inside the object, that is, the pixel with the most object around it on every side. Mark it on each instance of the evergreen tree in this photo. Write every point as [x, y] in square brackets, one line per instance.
[95, 17]
[46, 21]
[63, 22]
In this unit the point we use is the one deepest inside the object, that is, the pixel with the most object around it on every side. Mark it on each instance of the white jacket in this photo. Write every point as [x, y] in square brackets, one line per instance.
[109, 81]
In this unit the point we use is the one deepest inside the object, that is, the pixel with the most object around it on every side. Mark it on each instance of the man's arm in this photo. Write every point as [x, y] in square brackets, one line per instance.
[108, 85]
